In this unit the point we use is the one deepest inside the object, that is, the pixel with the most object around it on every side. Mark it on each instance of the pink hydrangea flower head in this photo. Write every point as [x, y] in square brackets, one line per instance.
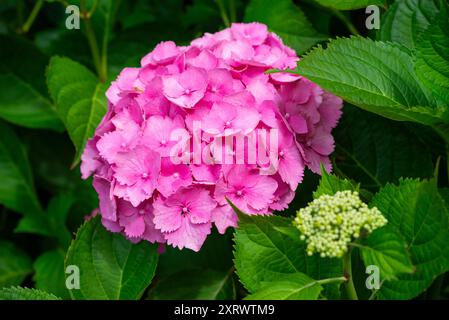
[195, 126]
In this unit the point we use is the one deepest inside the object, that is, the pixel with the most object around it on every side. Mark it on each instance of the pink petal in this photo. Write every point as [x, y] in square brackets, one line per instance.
[166, 218]
[108, 206]
[89, 159]
[262, 193]
[136, 227]
[189, 235]
[163, 53]
[255, 33]
[291, 166]
[224, 217]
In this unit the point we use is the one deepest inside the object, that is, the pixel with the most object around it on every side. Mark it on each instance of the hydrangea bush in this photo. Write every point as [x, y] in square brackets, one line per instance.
[155, 184]
[226, 149]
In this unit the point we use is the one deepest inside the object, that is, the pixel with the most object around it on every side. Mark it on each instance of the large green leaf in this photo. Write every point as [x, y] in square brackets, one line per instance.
[79, 97]
[331, 184]
[418, 213]
[15, 264]
[386, 249]
[18, 293]
[215, 254]
[262, 253]
[17, 187]
[296, 286]
[110, 266]
[373, 150]
[432, 65]
[375, 76]
[24, 99]
[405, 21]
[49, 273]
[195, 284]
[286, 20]
[349, 4]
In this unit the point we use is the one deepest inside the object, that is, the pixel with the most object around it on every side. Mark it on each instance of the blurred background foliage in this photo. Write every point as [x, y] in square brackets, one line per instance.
[42, 197]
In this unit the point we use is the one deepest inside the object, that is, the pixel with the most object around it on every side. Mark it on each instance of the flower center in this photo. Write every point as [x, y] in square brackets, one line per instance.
[187, 91]
[185, 210]
[123, 145]
[228, 124]
[239, 193]
[176, 175]
[281, 154]
[163, 142]
[287, 115]
[144, 175]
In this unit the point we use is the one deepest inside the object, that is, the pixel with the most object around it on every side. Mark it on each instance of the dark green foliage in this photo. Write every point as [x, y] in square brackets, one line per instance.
[392, 146]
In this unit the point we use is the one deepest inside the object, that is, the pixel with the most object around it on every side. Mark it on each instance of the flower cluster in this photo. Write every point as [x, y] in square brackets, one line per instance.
[328, 224]
[169, 150]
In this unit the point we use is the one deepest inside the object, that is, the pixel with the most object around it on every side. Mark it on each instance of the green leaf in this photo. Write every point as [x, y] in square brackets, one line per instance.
[296, 286]
[373, 150]
[49, 273]
[53, 222]
[417, 212]
[444, 192]
[79, 97]
[17, 187]
[19, 293]
[331, 184]
[215, 254]
[264, 254]
[286, 20]
[349, 4]
[195, 284]
[406, 20]
[374, 76]
[202, 274]
[15, 264]
[24, 99]
[111, 267]
[432, 65]
[386, 249]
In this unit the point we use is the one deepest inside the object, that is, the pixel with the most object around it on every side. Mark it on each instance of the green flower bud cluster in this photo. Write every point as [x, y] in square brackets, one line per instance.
[328, 224]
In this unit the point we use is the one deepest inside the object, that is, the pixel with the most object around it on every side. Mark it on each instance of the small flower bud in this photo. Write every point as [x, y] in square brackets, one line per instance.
[328, 224]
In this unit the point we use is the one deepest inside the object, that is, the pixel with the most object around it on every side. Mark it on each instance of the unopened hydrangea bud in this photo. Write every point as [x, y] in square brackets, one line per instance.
[328, 224]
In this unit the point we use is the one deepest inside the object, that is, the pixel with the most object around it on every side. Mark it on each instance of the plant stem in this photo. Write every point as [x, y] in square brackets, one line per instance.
[447, 161]
[232, 11]
[332, 280]
[104, 45]
[20, 16]
[92, 9]
[34, 12]
[347, 22]
[224, 15]
[92, 39]
[347, 271]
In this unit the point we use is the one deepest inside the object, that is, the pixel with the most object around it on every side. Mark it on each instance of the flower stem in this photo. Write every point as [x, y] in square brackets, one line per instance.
[347, 271]
[232, 11]
[346, 21]
[92, 39]
[224, 15]
[447, 161]
[34, 12]
[332, 280]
